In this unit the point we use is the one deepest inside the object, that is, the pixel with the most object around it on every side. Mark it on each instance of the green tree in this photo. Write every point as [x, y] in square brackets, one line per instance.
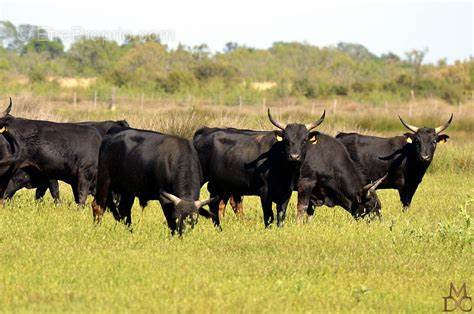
[93, 56]
[52, 48]
[16, 38]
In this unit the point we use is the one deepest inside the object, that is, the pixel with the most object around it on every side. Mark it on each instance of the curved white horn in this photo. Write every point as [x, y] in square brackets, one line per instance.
[443, 127]
[412, 128]
[9, 108]
[371, 187]
[171, 197]
[274, 122]
[315, 124]
[200, 204]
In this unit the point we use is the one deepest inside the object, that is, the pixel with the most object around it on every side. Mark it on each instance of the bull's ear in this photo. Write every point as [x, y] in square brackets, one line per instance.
[205, 213]
[409, 137]
[313, 137]
[279, 135]
[442, 137]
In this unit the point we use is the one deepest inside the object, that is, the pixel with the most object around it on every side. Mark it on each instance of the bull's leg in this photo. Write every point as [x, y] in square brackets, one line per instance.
[214, 209]
[267, 210]
[168, 211]
[125, 208]
[54, 189]
[3, 186]
[40, 191]
[82, 189]
[12, 188]
[112, 205]
[101, 196]
[222, 204]
[236, 201]
[305, 189]
[406, 195]
[281, 212]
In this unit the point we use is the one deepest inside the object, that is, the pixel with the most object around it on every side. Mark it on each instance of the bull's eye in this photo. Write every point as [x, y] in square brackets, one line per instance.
[279, 138]
[409, 140]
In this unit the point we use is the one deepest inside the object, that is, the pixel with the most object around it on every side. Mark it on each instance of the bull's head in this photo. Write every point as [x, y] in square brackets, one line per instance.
[367, 199]
[424, 139]
[187, 211]
[13, 146]
[296, 137]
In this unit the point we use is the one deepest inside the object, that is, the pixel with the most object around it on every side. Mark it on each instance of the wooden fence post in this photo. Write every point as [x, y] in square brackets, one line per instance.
[112, 100]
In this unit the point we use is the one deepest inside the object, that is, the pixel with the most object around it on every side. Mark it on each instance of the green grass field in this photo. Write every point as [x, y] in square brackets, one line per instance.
[54, 259]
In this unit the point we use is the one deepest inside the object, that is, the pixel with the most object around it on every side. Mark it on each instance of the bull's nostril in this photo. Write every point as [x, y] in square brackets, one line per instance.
[427, 157]
[295, 157]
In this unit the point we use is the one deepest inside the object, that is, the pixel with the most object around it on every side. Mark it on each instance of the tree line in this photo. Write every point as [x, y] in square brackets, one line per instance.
[145, 65]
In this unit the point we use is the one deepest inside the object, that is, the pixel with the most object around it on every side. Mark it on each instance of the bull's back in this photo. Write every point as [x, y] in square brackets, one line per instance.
[61, 147]
[328, 156]
[143, 161]
[368, 152]
[230, 150]
[103, 127]
[329, 164]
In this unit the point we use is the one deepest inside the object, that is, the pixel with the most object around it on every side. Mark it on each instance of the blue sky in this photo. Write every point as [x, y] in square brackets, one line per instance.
[444, 27]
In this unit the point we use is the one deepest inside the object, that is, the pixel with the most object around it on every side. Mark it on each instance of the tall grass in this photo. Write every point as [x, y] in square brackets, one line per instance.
[54, 259]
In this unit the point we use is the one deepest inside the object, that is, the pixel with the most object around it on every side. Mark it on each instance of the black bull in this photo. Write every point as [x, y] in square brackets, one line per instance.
[405, 158]
[31, 178]
[60, 151]
[247, 162]
[328, 176]
[150, 166]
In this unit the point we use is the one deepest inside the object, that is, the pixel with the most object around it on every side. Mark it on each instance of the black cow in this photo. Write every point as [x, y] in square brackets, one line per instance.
[32, 178]
[328, 176]
[245, 162]
[150, 166]
[60, 151]
[405, 157]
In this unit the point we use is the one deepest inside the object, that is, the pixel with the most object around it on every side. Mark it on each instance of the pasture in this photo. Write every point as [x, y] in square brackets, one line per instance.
[54, 259]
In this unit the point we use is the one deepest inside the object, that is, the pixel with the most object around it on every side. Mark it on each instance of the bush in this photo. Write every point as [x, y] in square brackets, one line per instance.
[178, 81]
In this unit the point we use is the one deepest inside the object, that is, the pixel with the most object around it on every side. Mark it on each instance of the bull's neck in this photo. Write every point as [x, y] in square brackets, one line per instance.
[415, 168]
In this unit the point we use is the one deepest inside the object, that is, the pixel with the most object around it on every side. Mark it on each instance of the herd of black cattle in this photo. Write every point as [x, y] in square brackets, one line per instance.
[117, 163]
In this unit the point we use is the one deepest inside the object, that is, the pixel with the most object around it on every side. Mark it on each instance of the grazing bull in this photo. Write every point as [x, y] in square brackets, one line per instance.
[150, 166]
[328, 176]
[59, 151]
[246, 162]
[32, 178]
[405, 157]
